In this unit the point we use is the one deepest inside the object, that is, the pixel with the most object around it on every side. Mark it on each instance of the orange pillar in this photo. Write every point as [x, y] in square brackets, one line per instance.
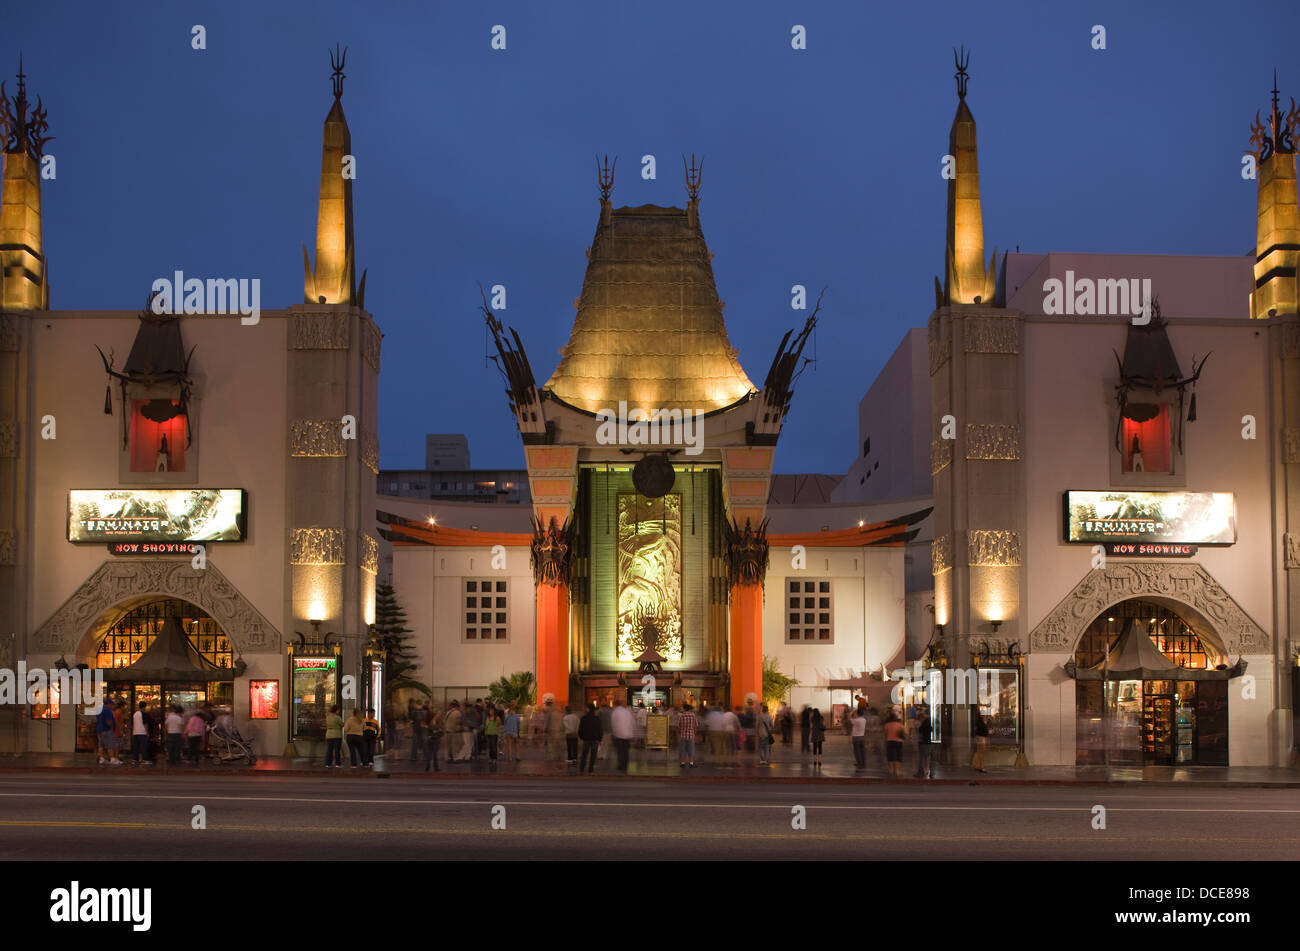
[746, 638]
[553, 642]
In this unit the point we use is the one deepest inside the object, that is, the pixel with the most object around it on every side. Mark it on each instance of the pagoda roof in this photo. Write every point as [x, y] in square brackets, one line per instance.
[649, 328]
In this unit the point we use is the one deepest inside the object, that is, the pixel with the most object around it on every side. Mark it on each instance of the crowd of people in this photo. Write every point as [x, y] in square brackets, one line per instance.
[468, 731]
[184, 733]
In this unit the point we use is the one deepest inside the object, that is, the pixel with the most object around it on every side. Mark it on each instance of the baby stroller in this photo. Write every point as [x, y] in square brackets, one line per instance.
[226, 745]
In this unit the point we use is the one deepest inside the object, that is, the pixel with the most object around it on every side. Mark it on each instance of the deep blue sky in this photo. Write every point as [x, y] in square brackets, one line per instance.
[475, 166]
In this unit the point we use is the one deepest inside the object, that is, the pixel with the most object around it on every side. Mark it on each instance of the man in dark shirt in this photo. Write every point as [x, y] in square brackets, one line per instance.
[590, 733]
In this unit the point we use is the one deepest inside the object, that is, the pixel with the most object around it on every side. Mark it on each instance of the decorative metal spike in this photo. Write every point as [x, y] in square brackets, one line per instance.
[962, 60]
[337, 59]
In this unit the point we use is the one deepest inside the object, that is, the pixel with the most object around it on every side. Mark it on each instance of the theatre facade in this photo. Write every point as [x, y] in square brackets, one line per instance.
[186, 496]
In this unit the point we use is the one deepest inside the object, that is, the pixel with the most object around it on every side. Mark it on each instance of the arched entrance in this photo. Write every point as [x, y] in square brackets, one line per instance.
[1150, 688]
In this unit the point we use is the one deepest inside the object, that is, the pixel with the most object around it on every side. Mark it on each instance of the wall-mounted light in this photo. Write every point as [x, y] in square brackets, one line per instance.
[996, 625]
[939, 628]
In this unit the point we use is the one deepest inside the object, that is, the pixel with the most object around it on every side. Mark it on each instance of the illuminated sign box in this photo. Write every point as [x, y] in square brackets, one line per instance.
[157, 515]
[1172, 518]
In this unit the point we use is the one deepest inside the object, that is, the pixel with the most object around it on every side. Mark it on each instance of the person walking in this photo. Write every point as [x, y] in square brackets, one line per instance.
[786, 719]
[354, 732]
[590, 734]
[492, 733]
[623, 724]
[511, 725]
[858, 732]
[981, 730]
[175, 727]
[470, 723]
[140, 724]
[195, 729]
[606, 715]
[370, 736]
[334, 739]
[731, 730]
[763, 726]
[876, 736]
[924, 746]
[816, 735]
[571, 734]
[687, 723]
[805, 726]
[106, 732]
[433, 740]
[418, 717]
[894, 733]
[452, 725]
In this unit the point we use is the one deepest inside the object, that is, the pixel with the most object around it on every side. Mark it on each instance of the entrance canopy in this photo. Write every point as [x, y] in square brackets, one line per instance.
[169, 658]
[1136, 657]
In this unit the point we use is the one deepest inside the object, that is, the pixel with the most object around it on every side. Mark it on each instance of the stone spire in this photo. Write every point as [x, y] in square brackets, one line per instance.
[1277, 239]
[22, 265]
[965, 277]
[333, 280]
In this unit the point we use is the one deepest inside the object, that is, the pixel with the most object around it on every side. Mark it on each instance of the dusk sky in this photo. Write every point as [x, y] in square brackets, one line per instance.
[822, 166]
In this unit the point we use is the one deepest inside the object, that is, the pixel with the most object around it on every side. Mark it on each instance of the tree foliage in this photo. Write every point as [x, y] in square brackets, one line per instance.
[392, 637]
[776, 685]
[518, 688]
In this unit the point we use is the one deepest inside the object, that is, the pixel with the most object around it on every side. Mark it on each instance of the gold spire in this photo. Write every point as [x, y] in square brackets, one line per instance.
[965, 277]
[22, 265]
[333, 280]
[1277, 238]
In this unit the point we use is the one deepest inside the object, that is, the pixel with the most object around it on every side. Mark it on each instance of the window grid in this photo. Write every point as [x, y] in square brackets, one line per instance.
[809, 615]
[486, 610]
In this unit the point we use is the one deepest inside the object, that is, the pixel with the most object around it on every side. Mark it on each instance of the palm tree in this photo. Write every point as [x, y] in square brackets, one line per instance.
[518, 688]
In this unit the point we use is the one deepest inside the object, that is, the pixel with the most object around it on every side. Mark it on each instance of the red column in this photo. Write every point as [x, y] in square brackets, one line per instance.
[746, 639]
[553, 642]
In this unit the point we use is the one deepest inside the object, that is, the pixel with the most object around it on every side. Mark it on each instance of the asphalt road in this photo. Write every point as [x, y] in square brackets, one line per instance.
[266, 817]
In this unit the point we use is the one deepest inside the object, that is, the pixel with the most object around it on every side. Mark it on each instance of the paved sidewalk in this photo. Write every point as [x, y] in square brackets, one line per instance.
[788, 766]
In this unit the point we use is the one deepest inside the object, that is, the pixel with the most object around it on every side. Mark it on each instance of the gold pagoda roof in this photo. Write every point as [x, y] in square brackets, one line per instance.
[649, 328]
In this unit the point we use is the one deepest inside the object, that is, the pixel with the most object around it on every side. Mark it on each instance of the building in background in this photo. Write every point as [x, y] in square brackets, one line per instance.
[449, 476]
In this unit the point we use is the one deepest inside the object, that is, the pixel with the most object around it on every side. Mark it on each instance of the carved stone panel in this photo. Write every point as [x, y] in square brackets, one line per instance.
[940, 343]
[1291, 340]
[317, 546]
[8, 547]
[992, 441]
[8, 438]
[940, 554]
[94, 605]
[8, 333]
[940, 455]
[320, 331]
[1292, 549]
[992, 548]
[368, 549]
[1291, 444]
[1185, 582]
[371, 344]
[370, 451]
[991, 335]
[316, 438]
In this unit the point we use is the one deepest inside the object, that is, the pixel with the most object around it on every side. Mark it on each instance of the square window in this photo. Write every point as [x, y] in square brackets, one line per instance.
[501, 617]
[808, 619]
[824, 634]
[471, 585]
[794, 587]
[487, 585]
[485, 617]
[471, 602]
[501, 633]
[794, 619]
[823, 602]
[808, 602]
[794, 602]
[1144, 438]
[471, 618]
[501, 586]
[808, 586]
[469, 634]
[501, 602]
[825, 587]
[823, 618]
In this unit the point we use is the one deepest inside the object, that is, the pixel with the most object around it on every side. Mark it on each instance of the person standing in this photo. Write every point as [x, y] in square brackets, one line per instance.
[452, 725]
[763, 736]
[512, 723]
[140, 735]
[469, 727]
[981, 731]
[195, 729]
[370, 735]
[175, 727]
[434, 740]
[354, 732]
[731, 730]
[571, 734]
[590, 734]
[492, 732]
[623, 724]
[687, 723]
[924, 746]
[876, 736]
[334, 739]
[805, 726]
[106, 731]
[816, 735]
[417, 716]
[894, 733]
[786, 719]
[605, 714]
[858, 724]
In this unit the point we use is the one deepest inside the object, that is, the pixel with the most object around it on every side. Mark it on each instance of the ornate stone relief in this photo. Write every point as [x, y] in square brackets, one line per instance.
[8, 333]
[1291, 340]
[1292, 549]
[992, 441]
[120, 580]
[940, 344]
[327, 331]
[368, 552]
[316, 438]
[992, 548]
[1291, 444]
[371, 344]
[1182, 581]
[991, 335]
[940, 554]
[8, 546]
[370, 451]
[940, 455]
[317, 546]
[8, 439]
